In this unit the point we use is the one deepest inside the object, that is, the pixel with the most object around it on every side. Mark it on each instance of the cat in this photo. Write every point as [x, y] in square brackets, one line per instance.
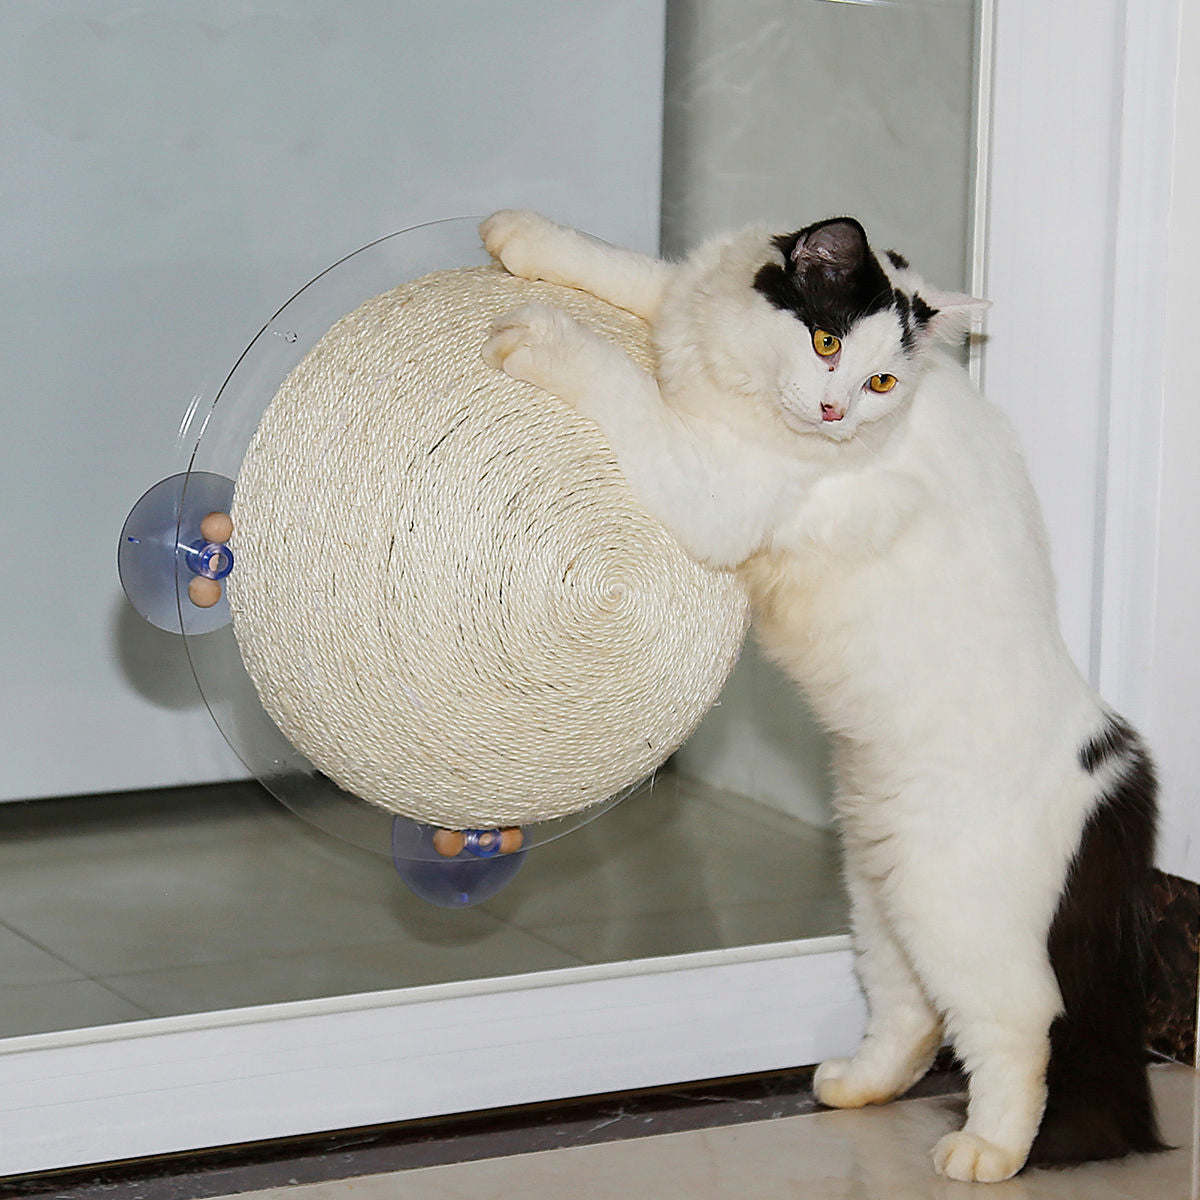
[806, 428]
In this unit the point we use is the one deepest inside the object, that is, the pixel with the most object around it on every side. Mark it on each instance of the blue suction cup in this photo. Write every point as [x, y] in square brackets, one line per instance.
[161, 550]
[475, 874]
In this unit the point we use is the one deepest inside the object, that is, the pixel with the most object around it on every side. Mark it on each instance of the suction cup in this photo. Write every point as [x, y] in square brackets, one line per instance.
[163, 550]
[472, 875]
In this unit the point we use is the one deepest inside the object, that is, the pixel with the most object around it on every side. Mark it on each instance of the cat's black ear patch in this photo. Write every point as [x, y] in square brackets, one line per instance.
[908, 334]
[835, 248]
[784, 243]
[914, 315]
[776, 284]
[829, 278]
[922, 312]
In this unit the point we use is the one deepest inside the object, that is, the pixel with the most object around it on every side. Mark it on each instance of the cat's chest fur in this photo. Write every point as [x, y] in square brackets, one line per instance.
[910, 594]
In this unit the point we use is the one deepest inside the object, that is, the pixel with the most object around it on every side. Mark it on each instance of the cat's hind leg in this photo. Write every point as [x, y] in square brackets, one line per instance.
[534, 247]
[1007, 1067]
[984, 962]
[904, 1031]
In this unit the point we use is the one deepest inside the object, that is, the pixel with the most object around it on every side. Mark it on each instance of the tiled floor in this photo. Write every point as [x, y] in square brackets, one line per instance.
[117, 908]
[114, 908]
[875, 1154]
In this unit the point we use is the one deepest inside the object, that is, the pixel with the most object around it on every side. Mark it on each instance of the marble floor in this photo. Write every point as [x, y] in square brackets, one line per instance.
[875, 1154]
[122, 907]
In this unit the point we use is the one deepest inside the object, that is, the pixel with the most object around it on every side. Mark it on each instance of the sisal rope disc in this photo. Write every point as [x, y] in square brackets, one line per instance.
[446, 595]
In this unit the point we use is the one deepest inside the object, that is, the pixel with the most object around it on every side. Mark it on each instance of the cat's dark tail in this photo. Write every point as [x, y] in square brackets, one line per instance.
[1099, 1103]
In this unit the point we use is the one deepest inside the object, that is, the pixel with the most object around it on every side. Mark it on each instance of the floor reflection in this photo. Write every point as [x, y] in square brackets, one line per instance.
[115, 908]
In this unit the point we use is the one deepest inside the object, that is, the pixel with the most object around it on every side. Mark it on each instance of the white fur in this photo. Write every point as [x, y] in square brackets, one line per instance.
[897, 564]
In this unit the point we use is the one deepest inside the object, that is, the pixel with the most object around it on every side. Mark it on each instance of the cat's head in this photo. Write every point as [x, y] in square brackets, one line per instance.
[845, 336]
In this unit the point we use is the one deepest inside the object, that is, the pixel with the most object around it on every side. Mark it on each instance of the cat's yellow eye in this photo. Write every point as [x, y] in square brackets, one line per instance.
[825, 343]
[882, 383]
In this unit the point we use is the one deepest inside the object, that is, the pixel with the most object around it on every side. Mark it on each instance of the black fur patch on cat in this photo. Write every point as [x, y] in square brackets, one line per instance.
[829, 278]
[1115, 738]
[922, 312]
[914, 314]
[897, 260]
[908, 335]
[1099, 1103]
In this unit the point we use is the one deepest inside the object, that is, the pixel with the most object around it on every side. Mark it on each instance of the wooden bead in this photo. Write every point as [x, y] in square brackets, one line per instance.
[449, 842]
[216, 527]
[511, 840]
[204, 593]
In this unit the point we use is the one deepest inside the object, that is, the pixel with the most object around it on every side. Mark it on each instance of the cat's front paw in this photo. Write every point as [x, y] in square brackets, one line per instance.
[517, 238]
[973, 1159]
[532, 343]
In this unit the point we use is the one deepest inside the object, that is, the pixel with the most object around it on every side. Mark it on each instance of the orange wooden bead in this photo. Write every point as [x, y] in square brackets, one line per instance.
[449, 842]
[511, 840]
[216, 527]
[204, 593]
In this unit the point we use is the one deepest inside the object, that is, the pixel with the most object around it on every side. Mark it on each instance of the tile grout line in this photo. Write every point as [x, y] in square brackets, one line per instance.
[38, 945]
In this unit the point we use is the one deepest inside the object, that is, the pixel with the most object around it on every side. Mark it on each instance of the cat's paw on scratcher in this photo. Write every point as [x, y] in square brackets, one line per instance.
[529, 342]
[515, 237]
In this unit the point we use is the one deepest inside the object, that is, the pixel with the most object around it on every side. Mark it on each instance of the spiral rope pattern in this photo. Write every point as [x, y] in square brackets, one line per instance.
[446, 595]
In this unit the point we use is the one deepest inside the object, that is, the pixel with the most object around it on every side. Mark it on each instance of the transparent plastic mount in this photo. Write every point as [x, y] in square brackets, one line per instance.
[212, 443]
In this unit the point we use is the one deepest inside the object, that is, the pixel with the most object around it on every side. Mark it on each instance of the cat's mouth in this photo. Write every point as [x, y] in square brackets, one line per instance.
[828, 419]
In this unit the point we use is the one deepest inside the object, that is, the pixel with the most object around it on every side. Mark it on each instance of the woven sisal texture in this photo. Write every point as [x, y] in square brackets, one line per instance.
[446, 595]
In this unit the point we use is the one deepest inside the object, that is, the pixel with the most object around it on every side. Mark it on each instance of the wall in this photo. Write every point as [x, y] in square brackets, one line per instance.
[821, 109]
[1172, 711]
[172, 174]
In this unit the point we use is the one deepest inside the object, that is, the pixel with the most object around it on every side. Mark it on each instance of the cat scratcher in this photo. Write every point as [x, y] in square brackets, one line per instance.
[446, 596]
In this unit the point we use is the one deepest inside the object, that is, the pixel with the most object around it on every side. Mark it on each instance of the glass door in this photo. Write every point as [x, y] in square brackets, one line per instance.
[134, 917]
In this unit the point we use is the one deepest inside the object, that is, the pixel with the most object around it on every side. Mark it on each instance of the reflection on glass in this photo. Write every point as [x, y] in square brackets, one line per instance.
[194, 900]
[785, 113]
[198, 899]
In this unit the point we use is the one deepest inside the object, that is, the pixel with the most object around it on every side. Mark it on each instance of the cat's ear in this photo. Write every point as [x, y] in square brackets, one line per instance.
[835, 247]
[947, 316]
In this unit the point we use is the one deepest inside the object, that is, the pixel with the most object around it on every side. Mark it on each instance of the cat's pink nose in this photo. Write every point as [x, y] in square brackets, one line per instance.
[830, 413]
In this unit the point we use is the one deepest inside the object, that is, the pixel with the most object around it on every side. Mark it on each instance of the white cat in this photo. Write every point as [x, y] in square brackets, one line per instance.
[804, 429]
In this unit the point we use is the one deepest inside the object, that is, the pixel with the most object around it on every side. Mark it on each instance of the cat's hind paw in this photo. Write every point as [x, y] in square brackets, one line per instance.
[973, 1159]
[516, 237]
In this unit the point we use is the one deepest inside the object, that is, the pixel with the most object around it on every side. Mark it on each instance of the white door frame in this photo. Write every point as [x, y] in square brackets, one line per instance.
[1074, 184]
[1081, 217]
[153, 1087]
[1149, 623]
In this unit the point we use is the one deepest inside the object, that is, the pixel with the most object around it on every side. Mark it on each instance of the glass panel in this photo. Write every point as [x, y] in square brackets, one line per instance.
[153, 903]
[158, 903]
[787, 113]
